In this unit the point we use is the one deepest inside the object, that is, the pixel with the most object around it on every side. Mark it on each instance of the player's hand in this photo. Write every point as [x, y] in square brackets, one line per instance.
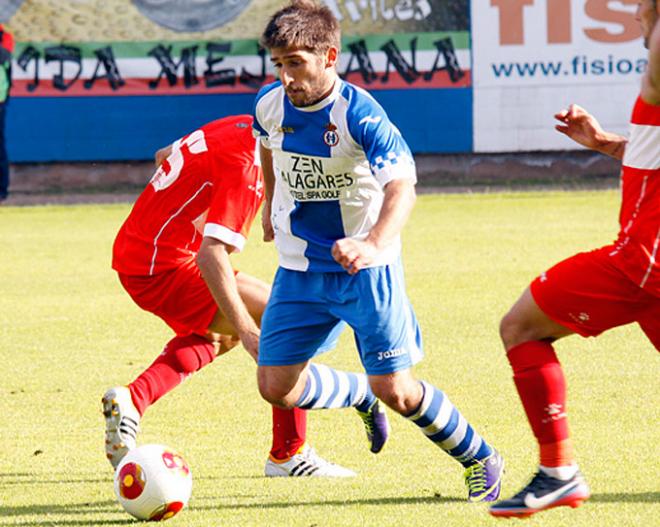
[266, 224]
[162, 154]
[222, 343]
[250, 341]
[581, 126]
[225, 343]
[354, 255]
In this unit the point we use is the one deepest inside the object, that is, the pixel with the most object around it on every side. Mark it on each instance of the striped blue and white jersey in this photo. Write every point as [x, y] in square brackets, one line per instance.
[331, 162]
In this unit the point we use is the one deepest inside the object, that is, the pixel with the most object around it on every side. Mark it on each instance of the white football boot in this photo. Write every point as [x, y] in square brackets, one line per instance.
[306, 463]
[122, 423]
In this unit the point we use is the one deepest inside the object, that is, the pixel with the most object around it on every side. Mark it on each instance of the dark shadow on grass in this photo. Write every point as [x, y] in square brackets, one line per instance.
[41, 513]
[626, 497]
[18, 478]
[36, 481]
[72, 508]
[423, 500]
[63, 523]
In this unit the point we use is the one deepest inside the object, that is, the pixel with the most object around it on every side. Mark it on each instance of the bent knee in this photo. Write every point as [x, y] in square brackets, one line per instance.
[273, 393]
[395, 401]
[520, 326]
[402, 398]
[276, 397]
[512, 330]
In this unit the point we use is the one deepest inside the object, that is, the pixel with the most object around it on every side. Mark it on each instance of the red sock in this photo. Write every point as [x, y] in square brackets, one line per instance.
[542, 388]
[289, 431]
[181, 357]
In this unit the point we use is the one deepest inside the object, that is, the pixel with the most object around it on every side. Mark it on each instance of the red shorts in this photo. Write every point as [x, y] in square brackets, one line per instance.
[588, 294]
[180, 297]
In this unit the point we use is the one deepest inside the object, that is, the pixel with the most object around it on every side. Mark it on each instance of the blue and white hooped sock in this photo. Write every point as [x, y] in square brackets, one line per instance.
[443, 424]
[330, 388]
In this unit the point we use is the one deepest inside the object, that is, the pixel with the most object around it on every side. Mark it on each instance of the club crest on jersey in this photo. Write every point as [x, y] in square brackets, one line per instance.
[331, 137]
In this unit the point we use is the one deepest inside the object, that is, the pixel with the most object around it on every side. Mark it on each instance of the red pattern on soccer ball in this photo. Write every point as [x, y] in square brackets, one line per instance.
[174, 461]
[131, 481]
[166, 511]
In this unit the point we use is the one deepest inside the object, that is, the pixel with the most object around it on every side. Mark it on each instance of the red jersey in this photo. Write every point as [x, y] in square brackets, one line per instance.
[638, 243]
[208, 186]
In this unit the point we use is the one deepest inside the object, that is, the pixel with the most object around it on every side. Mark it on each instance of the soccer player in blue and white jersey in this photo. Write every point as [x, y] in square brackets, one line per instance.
[340, 184]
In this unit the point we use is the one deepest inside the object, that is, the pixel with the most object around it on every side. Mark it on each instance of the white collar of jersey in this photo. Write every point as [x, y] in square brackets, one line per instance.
[332, 97]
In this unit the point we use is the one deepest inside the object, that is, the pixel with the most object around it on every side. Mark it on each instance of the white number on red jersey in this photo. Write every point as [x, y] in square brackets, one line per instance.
[196, 144]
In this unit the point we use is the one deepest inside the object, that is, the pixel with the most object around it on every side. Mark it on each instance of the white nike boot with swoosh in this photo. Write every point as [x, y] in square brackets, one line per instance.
[544, 492]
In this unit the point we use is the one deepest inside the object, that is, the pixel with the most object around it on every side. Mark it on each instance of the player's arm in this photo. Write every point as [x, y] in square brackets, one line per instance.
[398, 201]
[651, 79]
[393, 167]
[215, 266]
[584, 129]
[269, 185]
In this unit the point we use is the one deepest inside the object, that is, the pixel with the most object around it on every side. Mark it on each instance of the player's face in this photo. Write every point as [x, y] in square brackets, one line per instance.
[647, 16]
[307, 77]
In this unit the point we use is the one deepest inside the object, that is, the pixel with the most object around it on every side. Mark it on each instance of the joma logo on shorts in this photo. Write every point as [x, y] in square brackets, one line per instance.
[382, 355]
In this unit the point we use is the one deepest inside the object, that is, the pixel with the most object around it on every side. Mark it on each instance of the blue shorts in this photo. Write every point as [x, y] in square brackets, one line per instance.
[307, 310]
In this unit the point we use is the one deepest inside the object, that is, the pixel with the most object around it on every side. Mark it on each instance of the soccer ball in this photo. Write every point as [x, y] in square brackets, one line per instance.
[153, 482]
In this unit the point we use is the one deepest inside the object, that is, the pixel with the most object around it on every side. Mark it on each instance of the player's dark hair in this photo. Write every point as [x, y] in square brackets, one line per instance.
[302, 24]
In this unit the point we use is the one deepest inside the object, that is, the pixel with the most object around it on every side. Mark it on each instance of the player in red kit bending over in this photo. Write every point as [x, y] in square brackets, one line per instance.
[172, 257]
[590, 292]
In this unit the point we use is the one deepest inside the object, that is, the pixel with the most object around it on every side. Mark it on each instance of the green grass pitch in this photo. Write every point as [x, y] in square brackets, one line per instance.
[68, 331]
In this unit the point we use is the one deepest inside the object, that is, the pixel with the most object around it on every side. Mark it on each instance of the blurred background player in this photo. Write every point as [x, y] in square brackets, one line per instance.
[340, 184]
[172, 256]
[590, 292]
[6, 50]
